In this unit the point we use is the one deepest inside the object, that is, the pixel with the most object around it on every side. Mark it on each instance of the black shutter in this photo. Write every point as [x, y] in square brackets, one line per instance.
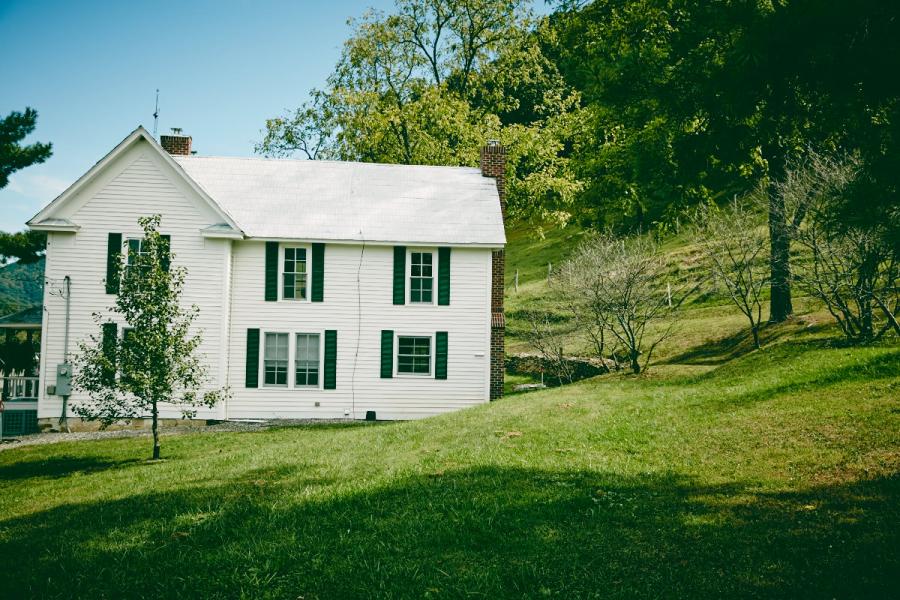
[108, 345]
[440, 355]
[113, 252]
[399, 274]
[443, 276]
[318, 272]
[271, 271]
[387, 353]
[166, 257]
[330, 371]
[252, 373]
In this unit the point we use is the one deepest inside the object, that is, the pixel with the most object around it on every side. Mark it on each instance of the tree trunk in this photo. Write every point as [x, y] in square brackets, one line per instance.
[780, 304]
[155, 432]
[635, 363]
[755, 329]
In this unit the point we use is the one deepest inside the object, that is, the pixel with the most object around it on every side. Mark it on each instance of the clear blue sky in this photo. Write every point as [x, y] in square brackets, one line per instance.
[91, 70]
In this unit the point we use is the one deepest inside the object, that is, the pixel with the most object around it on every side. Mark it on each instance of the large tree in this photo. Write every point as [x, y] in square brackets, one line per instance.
[429, 83]
[13, 154]
[156, 358]
[696, 101]
[15, 127]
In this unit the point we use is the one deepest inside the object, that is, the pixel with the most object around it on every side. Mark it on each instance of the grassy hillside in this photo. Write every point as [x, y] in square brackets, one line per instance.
[723, 472]
[21, 286]
[774, 474]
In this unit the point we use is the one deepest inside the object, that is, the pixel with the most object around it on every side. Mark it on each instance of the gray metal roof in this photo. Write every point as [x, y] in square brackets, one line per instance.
[330, 200]
[24, 319]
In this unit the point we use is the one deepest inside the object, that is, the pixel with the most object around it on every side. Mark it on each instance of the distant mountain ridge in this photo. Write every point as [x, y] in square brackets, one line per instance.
[21, 286]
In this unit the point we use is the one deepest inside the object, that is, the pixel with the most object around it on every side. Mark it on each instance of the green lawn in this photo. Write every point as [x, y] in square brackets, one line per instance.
[771, 474]
[722, 472]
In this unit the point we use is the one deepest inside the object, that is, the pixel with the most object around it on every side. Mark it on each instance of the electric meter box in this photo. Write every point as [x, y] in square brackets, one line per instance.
[64, 379]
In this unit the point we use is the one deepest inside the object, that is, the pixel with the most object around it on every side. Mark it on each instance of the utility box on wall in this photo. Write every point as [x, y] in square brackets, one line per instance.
[64, 379]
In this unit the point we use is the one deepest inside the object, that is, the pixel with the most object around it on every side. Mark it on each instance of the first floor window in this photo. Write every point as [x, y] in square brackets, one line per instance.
[306, 360]
[294, 274]
[275, 359]
[421, 279]
[414, 355]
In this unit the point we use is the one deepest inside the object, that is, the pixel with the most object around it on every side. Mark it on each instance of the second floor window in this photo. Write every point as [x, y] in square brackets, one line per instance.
[275, 359]
[135, 249]
[294, 276]
[421, 277]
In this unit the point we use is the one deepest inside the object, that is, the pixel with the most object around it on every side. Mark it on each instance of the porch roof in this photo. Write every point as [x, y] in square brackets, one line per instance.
[30, 318]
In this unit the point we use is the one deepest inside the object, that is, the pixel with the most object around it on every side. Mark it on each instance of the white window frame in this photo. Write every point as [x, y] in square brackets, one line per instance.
[281, 252]
[409, 276]
[262, 361]
[126, 256]
[292, 351]
[397, 372]
[292, 360]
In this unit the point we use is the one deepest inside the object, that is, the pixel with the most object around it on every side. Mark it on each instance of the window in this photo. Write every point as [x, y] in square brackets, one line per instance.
[135, 249]
[414, 355]
[421, 278]
[306, 360]
[275, 359]
[294, 274]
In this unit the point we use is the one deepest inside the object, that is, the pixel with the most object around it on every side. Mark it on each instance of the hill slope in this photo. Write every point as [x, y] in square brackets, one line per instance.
[21, 286]
[723, 472]
[773, 475]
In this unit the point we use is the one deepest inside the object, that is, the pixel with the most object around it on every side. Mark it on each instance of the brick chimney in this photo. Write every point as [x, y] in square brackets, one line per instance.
[493, 164]
[176, 142]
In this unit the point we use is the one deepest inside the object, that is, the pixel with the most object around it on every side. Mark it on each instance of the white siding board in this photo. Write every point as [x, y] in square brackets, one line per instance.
[466, 320]
[138, 183]
[226, 280]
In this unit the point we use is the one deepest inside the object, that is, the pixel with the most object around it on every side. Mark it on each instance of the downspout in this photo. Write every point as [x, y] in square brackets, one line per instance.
[63, 420]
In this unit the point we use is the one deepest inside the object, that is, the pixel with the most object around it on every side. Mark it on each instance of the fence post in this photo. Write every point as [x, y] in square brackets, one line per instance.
[669, 294]
[517, 281]
[549, 270]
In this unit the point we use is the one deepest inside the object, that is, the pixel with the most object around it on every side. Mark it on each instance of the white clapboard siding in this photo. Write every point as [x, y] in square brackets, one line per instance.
[359, 310]
[138, 183]
[226, 281]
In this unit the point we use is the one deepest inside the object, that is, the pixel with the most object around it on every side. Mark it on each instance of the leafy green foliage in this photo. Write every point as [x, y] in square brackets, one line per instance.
[157, 361]
[430, 83]
[27, 246]
[13, 155]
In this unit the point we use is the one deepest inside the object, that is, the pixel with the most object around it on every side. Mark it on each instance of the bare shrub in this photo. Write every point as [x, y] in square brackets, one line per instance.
[546, 337]
[735, 245]
[617, 288]
[853, 270]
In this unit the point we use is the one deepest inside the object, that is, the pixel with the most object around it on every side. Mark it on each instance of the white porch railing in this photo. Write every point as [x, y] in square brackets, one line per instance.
[16, 387]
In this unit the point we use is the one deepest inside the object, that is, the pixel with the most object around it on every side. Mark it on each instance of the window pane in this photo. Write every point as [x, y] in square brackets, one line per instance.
[294, 274]
[275, 359]
[421, 280]
[306, 360]
[414, 355]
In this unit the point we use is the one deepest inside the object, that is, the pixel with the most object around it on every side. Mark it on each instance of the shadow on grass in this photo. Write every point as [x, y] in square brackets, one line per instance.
[721, 350]
[60, 466]
[491, 532]
[881, 366]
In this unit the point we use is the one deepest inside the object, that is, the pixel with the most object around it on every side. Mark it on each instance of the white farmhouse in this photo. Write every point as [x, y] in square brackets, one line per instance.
[326, 289]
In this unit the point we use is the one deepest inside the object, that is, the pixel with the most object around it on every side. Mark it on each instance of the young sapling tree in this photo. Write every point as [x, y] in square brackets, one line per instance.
[156, 358]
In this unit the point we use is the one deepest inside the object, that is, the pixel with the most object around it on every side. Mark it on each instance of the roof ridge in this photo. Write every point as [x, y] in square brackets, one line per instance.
[329, 161]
